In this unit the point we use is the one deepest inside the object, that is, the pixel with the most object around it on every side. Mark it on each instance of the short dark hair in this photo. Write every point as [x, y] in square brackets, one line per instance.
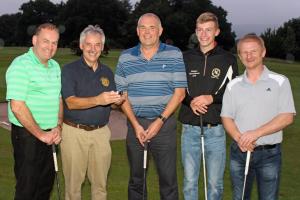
[48, 26]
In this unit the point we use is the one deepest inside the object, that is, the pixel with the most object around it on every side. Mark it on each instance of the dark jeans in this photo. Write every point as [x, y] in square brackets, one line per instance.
[265, 165]
[34, 168]
[163, 150]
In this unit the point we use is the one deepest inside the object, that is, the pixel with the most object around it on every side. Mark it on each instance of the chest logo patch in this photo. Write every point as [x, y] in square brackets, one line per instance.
[216, 72]
[194, 73]
[104, 81]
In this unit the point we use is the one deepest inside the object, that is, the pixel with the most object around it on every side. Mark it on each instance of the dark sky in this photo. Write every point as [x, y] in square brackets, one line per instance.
[245, 15]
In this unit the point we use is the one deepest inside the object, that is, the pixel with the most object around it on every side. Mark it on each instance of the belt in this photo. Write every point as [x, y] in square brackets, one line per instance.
[265, 147]
[209, 125]
[82, 126]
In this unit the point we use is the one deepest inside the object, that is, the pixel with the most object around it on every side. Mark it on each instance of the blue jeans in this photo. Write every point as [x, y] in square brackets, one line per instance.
[215, 156]
[264, 165]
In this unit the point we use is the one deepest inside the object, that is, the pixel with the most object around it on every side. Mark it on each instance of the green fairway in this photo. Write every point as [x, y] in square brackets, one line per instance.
[119, 171]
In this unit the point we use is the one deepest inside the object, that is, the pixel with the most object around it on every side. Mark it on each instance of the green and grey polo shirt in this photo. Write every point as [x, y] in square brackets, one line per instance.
[28, 80]
[252, 105]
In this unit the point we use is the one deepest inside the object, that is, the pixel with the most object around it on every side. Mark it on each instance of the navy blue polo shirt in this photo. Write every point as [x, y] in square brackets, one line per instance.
[79, 80]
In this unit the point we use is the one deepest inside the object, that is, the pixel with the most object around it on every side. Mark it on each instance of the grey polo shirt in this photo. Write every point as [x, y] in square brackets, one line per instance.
[252, 105]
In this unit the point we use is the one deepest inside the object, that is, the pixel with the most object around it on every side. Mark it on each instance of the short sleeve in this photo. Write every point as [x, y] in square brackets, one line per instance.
[68, 83]
[286, 100]
[120, 77]
[228, 109]
[17, 81]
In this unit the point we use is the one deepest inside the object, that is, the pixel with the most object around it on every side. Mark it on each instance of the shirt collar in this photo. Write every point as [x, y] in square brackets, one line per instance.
[37, 60]
[86, 66]
[137, 49]
[263, 76]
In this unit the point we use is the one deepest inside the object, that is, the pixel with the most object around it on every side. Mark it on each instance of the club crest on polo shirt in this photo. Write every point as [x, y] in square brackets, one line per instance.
[215, 73]
[104, 81]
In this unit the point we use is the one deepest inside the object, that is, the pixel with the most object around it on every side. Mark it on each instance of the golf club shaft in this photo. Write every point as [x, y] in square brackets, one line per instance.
[203, 155]
[145, 167]
[54, 158]
[56, 170]
[204, 167]
[246, 172]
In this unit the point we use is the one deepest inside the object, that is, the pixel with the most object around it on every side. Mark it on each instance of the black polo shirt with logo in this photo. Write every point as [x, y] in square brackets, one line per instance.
[79, 80]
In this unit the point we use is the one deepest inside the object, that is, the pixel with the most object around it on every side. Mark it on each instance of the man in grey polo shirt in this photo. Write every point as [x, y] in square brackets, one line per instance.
[256, 107]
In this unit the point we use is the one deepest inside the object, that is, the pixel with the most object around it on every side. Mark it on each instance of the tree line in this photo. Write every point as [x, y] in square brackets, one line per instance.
[118, 19]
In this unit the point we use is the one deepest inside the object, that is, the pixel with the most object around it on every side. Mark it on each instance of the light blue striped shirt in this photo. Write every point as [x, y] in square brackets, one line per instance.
[150, 83]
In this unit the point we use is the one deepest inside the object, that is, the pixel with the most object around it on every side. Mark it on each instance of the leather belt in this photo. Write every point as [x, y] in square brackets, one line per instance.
[265, 147]
[209, 125]
[82, 126]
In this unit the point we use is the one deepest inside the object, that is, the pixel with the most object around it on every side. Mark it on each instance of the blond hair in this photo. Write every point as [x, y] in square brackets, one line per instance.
[208, 17]
[252, 37]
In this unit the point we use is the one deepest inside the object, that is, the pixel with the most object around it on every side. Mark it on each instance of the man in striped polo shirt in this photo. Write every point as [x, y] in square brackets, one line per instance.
[153, 76]
[33, 92]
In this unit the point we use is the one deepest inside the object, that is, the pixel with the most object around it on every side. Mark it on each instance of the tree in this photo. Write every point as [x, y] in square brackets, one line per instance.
[285, 39]
[34, 13]
[110, 15]
[178, 19]
[8, 28]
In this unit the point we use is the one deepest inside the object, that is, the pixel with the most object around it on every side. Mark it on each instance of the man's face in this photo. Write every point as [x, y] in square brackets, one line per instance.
[45, 44]
[91, 48]
[206, 33]
[251, 54]
[149, 31]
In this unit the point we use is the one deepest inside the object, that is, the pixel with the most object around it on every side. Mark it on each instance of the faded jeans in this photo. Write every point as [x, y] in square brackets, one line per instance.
[215, 156]
[264, 166]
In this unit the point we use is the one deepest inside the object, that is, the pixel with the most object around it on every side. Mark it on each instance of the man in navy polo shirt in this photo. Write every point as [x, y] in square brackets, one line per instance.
[88, 90]
[153, 74]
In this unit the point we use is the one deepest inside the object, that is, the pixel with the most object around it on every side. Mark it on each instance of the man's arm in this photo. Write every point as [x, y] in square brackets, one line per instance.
[25, 117]
[171, 107]
[139, 130]
[57, 130]
[104, 98]
[235, 134]
[276, 124]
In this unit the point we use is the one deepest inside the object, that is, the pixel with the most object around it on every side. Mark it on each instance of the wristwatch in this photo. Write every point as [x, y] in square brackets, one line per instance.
[163, 119]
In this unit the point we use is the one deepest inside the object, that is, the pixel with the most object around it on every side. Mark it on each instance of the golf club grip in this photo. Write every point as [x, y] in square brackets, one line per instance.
[247, 162]
[54, 158]
[145, 155]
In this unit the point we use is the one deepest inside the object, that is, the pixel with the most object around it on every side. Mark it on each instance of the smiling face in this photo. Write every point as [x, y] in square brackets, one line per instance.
[91, 48]
[149, 31]
[251, 53]
[206, 33]
[45, 44]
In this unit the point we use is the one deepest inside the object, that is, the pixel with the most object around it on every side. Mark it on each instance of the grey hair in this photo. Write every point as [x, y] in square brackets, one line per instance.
[94, 30]
[150, 15]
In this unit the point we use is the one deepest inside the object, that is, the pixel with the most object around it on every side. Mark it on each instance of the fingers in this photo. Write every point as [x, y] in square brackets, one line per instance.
[199, 109]
[106, 98]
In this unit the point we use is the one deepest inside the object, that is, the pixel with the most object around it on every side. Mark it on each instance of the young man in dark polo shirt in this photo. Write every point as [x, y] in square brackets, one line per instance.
[209, 68]
[88, 90]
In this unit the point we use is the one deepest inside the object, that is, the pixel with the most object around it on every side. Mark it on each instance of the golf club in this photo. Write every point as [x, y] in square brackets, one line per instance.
[56, 170]
[246, 171]
[203, 156]
[145, 167]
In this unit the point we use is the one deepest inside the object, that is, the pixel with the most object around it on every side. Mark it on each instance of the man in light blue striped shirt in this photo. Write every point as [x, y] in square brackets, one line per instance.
[152, 76]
